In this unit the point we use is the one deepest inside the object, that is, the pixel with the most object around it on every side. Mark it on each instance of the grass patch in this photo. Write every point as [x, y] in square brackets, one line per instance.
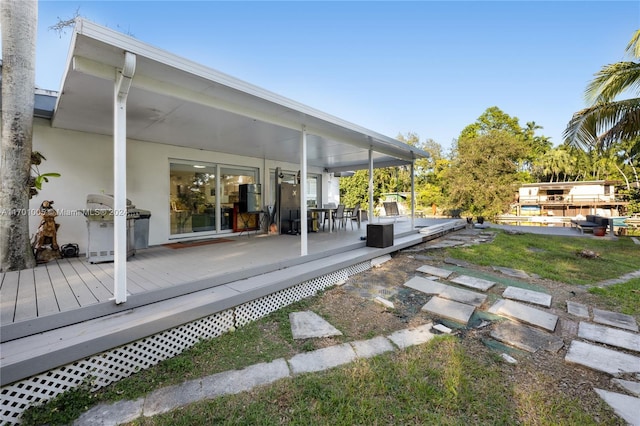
[436, 383]
[626, 296]
[555, 257]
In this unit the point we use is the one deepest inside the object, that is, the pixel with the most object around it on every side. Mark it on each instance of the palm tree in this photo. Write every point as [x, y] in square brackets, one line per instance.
[19, 21]
[607, 120]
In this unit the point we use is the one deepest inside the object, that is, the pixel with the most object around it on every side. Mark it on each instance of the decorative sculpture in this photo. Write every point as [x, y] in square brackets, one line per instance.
[46, 241]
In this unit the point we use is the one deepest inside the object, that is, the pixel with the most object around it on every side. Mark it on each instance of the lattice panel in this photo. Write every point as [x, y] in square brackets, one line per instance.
[116, 364]
[358, 268]
[262, 307]
[111, 366]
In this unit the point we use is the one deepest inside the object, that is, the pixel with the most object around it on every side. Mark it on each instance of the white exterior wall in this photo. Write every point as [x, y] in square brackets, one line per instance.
[85, 162]
[576, 193]
[589, 192]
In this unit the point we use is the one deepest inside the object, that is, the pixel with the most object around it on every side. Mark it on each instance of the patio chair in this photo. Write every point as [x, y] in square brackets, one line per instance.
[338, 216]
[355, 215]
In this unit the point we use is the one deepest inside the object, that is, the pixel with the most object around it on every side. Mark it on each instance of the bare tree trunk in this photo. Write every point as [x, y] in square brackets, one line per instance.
[18, 19]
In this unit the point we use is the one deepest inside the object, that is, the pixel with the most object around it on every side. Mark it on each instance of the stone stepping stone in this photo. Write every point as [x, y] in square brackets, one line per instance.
[625, 406]
[526, 338]
[412, 336]
[322, 359]
[432, 270]
[449, 309]
[428, 286]
[633, 387]
[524, 313]
[529, 296]
[307, 324]
[516, 273]
[477, 283]
[425, 285]
[615, 319]
[602, 359]
[577, 309]
[457, 262]
[463, 296]
[372, 347]
[609, 336]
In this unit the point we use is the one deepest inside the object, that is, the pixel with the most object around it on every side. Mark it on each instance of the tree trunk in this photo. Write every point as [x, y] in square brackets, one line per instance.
[18, 19]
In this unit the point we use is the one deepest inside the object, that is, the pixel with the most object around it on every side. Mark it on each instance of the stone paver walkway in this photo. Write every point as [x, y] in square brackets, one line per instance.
[236, 381]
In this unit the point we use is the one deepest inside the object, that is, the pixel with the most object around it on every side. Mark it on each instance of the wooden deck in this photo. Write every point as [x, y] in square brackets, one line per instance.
[156, 273]
[60, 311]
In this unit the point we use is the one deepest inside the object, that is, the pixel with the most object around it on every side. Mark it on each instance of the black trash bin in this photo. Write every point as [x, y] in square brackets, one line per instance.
[380, 235]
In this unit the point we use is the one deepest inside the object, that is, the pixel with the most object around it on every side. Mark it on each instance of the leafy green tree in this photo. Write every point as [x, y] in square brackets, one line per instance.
[482, 179]
[492, 119]
[607, 120]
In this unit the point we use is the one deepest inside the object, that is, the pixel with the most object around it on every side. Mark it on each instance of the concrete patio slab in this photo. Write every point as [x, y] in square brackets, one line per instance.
[425, 285]
[463, 296]
[610, 336]
[526, 338]
[529, 296]
[432, 270]
[615, 319]
[449, 309]
[477, 283]
[625, 406]
[632, 387]
[412, 336]
[602, 359]
[525, 314]
[372, 347]
[322, 359]
[577, 309]
[307, 324]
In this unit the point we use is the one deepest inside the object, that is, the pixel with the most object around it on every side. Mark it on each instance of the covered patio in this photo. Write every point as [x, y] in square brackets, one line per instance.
[71, 319]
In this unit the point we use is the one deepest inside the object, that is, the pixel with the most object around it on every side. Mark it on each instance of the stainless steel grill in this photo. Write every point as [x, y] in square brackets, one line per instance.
[100, 216]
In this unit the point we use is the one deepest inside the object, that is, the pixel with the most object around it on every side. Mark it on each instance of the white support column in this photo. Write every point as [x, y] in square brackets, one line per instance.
[303, 192]
[370, 186]
[413, 196]
[121, 91]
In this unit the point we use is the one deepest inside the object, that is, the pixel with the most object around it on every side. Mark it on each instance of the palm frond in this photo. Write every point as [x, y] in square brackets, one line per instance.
[633, 48]
[612, 80]
[613, 121]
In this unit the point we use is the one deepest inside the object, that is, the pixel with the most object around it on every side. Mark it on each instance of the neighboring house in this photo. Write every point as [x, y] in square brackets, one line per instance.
[569, 199]
[184, 138]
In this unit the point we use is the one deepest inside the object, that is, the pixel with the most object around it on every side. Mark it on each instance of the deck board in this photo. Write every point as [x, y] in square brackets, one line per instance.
[98, 289]
[26, 301]
[46, 298]
[83, 294]
[65, 296]
[9, 296]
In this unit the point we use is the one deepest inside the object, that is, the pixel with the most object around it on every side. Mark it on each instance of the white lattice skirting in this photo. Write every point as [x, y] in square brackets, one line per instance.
[116, 364]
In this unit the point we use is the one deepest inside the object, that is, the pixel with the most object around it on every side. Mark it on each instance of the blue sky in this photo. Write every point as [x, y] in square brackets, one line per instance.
[425, 67]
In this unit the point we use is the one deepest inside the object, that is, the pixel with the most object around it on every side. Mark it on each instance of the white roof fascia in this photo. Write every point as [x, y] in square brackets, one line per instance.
[376, 141]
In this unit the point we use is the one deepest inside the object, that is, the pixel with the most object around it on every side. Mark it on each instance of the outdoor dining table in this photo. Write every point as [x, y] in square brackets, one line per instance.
[325, 210]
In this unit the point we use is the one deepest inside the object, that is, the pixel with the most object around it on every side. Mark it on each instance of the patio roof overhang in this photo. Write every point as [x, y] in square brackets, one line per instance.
[175, 101]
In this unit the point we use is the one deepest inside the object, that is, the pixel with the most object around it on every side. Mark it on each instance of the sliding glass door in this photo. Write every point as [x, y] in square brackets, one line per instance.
[203, 196]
